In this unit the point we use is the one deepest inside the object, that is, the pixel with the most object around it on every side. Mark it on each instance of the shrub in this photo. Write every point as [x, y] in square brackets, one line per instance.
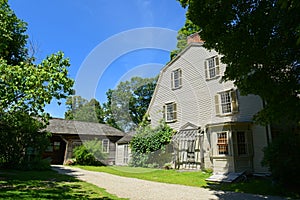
[89, 153]
[148, 146]
[282, 157]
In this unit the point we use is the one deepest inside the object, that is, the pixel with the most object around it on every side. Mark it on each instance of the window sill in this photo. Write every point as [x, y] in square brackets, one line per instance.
[226, 114]
[177, 88]
[171, 121]
[220, 156]
[209, 79]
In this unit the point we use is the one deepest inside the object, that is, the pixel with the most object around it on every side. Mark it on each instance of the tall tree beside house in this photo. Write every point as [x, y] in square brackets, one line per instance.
[260, 43]
[128, 103]
[25, 88]
[188, 29]
[81, 109]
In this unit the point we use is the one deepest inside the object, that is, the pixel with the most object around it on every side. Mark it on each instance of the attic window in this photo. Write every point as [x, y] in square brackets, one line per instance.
[212, 68]
[176, 79]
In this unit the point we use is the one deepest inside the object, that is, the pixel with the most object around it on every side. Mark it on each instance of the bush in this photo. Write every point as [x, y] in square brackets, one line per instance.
[149, 146]
[282, 157]
[20, 132]
[90, 153]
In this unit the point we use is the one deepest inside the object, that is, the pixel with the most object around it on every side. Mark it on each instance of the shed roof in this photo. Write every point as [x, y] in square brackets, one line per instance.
[126, 139]
[62, 126]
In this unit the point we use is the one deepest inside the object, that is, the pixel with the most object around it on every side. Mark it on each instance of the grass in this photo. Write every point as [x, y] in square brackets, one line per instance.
[47, 185]
[254, 185]
[191, 178]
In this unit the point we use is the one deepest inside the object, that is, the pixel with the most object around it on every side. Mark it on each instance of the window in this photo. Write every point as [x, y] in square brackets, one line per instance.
[176, 79]
[170, 112]
[56, 146]
[226, 103]
[241, 143]
[222, 143]
[126, 153]
[105, 146]
[212, 67]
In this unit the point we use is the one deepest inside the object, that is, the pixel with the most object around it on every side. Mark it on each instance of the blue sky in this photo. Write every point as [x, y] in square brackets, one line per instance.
[90, 31]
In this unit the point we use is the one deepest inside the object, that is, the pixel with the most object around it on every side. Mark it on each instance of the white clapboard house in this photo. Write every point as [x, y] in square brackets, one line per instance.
[212, 119]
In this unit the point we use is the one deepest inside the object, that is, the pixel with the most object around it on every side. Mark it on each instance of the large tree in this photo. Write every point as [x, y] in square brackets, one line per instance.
[25, 88]
[188, 29]
[128, 103]
[260, 43]
[83, 110]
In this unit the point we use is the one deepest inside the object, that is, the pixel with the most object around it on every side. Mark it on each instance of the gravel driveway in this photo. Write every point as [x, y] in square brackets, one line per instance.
[136, 189]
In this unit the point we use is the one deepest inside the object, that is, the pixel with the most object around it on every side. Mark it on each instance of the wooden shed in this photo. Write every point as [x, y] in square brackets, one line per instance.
[67, 134]
[123, 151]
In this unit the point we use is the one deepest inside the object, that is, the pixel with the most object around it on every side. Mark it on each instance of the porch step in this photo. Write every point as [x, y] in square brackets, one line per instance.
[226, 178]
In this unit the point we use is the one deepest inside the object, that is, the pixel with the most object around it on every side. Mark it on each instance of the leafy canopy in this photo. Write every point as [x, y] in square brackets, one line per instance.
[128, 103]
[81, 109]
[25, 88]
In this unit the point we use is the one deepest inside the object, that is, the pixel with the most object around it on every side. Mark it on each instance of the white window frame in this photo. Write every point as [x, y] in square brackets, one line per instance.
[105, 149]
[176, 79]
[212, 67]
[226, 103]
[170, 112]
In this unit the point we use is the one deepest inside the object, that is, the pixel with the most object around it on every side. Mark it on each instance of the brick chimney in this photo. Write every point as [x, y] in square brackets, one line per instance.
[194, 38]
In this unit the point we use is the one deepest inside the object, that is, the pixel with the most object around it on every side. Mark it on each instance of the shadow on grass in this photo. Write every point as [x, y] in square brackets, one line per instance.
[47, 185]
[262, 187]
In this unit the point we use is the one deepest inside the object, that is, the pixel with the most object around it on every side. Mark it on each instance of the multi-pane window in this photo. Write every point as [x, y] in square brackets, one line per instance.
[105, 145]
[176, 77]
[226, 103]
[222, 143]
[212, 67]
[241, 143]
[170, 112]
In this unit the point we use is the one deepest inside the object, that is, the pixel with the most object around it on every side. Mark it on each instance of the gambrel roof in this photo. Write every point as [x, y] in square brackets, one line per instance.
[193, 44]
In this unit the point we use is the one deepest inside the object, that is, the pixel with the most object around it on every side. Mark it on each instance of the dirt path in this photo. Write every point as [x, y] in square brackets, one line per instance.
[136, 189]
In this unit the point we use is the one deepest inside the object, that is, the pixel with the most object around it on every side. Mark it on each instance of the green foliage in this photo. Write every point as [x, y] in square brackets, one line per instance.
[283, 158]
[128, 103]
[80, 109]
[25, 89]
[19, 133]
[149, 146]
[12, 36]
[259, 41]
[188, 29]
[90, 153]
[29, 87]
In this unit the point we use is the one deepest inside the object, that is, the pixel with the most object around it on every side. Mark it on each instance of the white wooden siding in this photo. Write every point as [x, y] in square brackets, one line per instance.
[196, 104]
[195, 99]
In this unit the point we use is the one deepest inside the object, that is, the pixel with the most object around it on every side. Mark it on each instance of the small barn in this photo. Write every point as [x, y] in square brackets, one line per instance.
[67, 134]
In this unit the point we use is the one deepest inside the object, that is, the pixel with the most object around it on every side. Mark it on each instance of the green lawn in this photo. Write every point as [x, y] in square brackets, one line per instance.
[263, 185]
[47, 185]
[192, 178]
